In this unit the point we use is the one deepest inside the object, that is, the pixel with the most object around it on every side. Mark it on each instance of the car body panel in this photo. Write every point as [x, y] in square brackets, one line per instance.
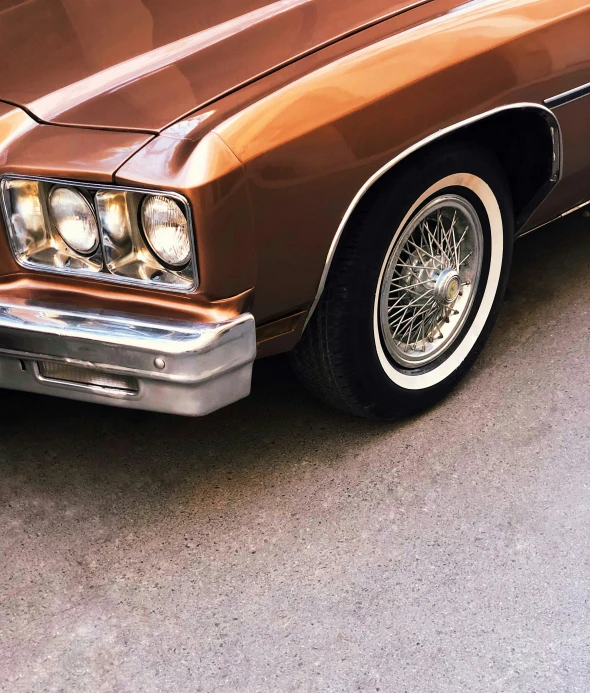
[30, 148]
[574, 119]
[271, 169]
[229, 252]
[142, 64]
[322, 137]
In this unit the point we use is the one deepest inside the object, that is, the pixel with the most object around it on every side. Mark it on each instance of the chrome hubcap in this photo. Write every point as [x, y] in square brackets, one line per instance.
[447, 287]
[430, 280]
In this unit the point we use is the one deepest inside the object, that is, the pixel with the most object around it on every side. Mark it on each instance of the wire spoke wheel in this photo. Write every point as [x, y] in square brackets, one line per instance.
[414, 291]
[430, 281]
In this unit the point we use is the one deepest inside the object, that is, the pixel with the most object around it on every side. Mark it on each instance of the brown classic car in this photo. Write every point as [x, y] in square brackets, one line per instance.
[189, 185]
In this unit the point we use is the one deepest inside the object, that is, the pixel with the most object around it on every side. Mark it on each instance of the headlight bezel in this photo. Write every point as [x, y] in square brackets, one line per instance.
[89, 191]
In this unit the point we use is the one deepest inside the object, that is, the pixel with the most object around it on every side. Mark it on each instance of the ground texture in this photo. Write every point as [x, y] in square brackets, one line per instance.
[279, 546]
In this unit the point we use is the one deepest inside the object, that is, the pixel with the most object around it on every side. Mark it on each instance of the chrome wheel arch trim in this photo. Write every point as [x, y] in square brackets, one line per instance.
[549, 116]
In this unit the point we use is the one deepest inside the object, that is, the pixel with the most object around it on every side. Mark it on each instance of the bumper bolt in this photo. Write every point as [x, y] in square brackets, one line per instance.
[159, 363]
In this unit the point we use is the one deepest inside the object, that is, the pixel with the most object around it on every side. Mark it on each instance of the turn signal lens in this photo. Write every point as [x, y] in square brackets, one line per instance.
[166, 230]
[74, 219]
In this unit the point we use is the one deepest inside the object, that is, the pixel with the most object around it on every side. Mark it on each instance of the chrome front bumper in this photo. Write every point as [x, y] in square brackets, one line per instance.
[141, 363]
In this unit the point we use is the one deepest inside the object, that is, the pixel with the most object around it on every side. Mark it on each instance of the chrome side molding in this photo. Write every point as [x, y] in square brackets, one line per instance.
[568, 96]
[567, 213]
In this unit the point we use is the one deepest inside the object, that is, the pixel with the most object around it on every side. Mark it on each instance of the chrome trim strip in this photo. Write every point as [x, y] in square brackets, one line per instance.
[568, 96]
[556, 174]
[577, 208]
[181, 367]
[105, 275]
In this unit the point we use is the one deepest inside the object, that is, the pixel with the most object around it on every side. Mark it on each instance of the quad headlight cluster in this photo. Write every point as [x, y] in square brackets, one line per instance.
[121, 234]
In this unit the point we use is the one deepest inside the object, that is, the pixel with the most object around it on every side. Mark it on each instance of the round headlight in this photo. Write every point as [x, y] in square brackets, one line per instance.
[74, 219]
[166, 230]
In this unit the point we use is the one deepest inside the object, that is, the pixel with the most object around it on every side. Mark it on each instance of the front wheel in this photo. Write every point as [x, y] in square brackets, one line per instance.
[415, 286]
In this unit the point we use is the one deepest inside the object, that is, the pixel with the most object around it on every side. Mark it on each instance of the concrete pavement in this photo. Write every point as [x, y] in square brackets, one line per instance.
[280, 546]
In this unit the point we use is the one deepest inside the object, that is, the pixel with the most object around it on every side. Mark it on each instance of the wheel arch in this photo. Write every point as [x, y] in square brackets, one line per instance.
[511, 133]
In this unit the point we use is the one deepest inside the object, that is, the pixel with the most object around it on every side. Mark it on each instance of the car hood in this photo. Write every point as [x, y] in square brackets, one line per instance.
[142, 64]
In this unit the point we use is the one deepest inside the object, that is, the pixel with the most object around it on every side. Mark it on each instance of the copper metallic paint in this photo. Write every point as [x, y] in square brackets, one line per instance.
[219, 201]
[88, 294]
[280, 335]
[80, 154]
[142, 64]
[27, 147]
[211, 177]
[270, 169]
[322, 137]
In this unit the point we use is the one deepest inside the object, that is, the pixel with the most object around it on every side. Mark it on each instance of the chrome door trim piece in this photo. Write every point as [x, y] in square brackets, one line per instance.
[568, 96]
[577, 208]
[180, 367]
[556, 173]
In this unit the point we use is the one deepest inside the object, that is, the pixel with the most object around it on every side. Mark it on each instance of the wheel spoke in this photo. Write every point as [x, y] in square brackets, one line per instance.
[443, 239]
[421, 250]
[458, 247]
[420, 267]
[412, 317]
[426, 228]
[448, 235]
[414, 302]
[435, 240]
[465, 259]
[420, 295]
[431, 322]
[411, 286]
[400, 307]
[408, 329]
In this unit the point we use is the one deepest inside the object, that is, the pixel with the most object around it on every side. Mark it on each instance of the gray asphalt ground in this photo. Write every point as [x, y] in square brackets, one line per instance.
[279, 546]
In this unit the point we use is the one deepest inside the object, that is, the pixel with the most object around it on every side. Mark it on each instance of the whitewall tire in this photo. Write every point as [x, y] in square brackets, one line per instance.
[415, 286]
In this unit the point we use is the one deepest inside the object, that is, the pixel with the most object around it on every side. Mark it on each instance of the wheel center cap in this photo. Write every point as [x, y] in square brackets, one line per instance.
[447, 287]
